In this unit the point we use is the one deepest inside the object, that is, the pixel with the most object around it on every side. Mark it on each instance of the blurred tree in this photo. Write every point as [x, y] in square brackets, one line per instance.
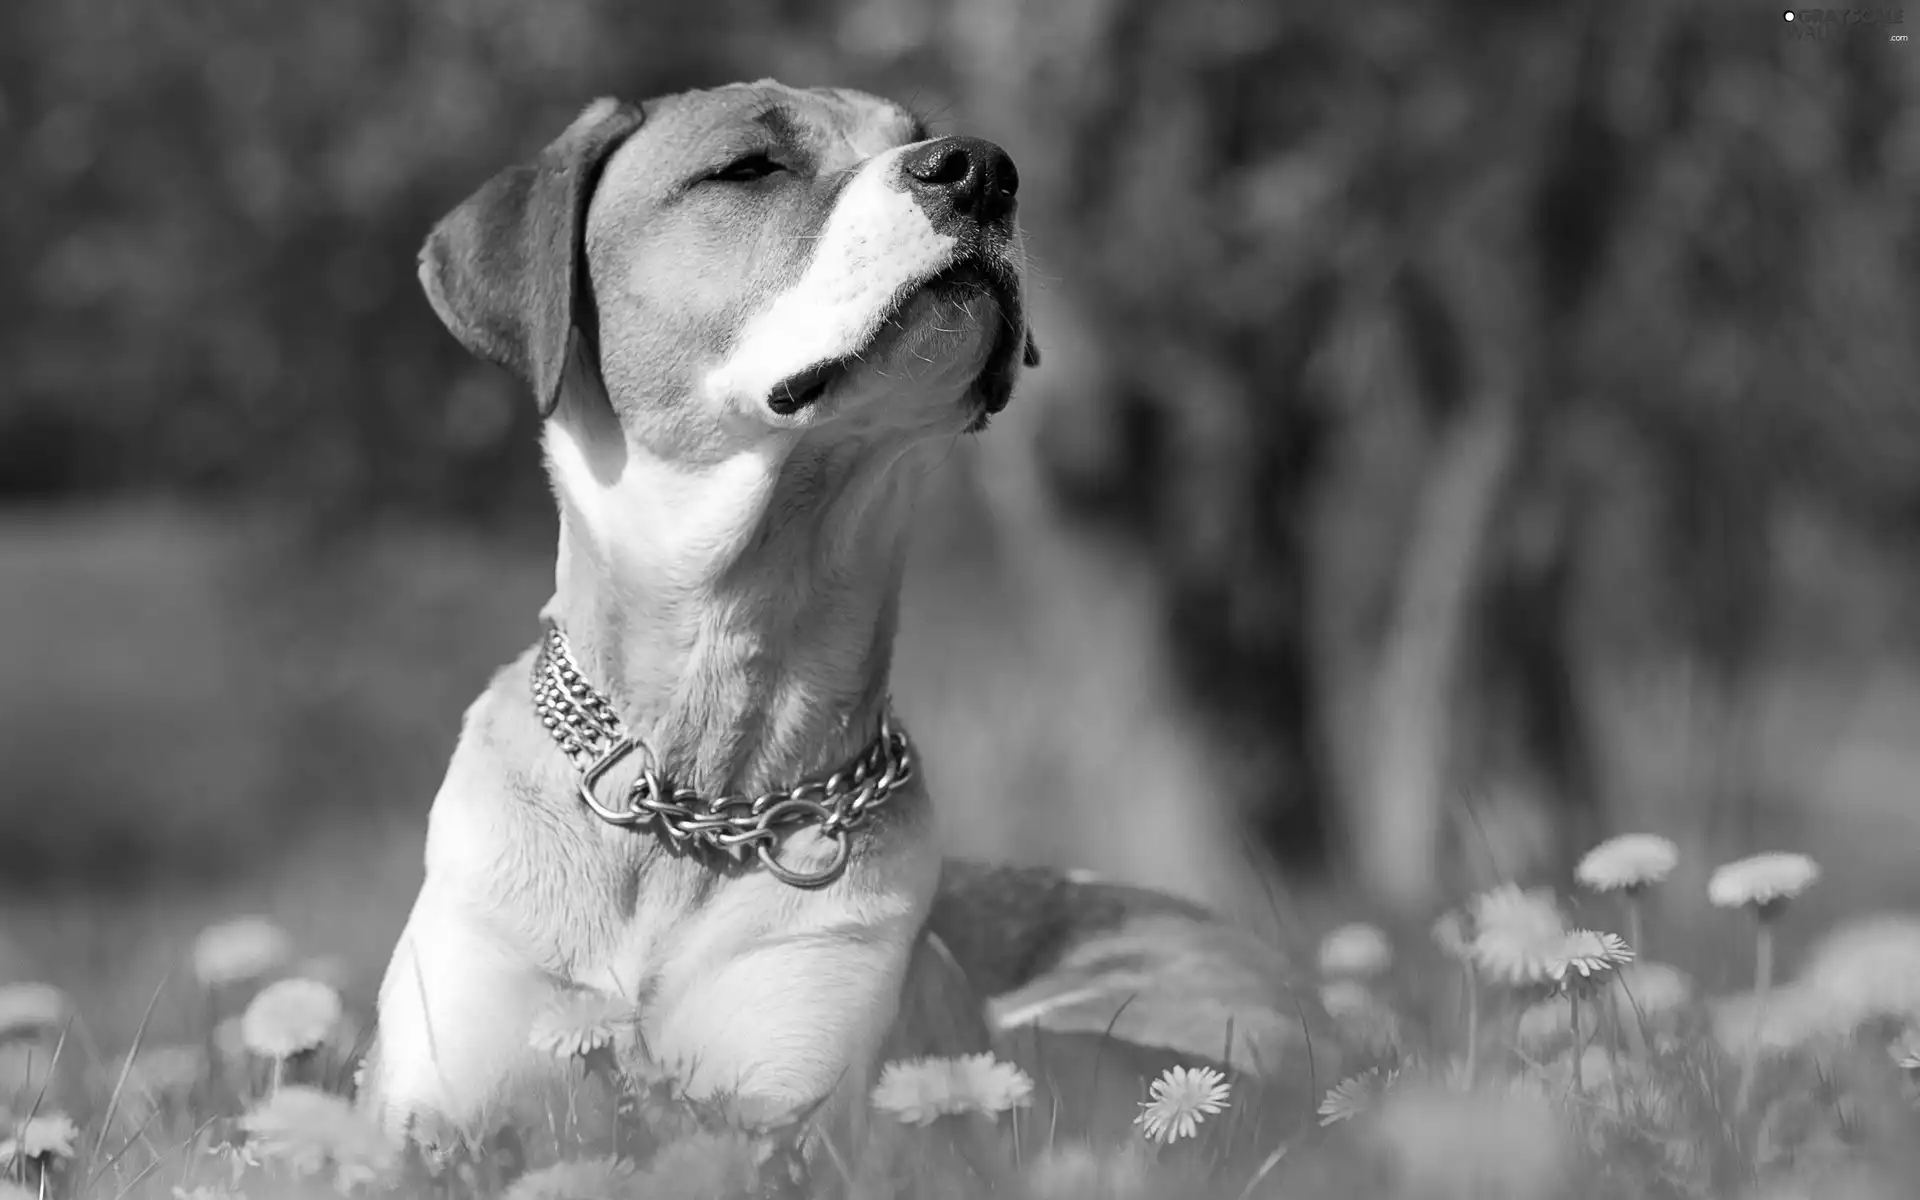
[1451, 350]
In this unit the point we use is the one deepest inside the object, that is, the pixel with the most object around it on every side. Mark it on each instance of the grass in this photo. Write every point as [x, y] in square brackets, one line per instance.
[336, 693]
[1624, 1081]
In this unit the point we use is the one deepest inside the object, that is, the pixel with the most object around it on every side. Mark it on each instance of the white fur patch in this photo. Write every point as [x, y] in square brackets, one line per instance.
[876, 242]
[664, 513]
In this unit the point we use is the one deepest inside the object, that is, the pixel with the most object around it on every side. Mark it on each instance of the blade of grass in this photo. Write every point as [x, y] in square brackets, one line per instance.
[53, 1068]
[158, 1159]
[126, 1072]
[1266, 1168]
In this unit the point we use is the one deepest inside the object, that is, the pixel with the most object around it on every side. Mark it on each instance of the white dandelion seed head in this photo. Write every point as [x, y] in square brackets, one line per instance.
[29, 1010]
[1631, 860]
[289, 1017]
[1762, 880]
[580, 1022]
[1867, 967]
[306, 1130]
[1179, 1100]
[1355, 951]
[240, 950]
[575, 1179]
[920, 1091]
[46, 1136]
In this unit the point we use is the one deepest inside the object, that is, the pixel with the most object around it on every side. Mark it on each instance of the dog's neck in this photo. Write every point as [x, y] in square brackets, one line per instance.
[740, 614]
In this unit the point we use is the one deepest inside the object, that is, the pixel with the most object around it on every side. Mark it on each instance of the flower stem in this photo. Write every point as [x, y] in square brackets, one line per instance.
[1579, 1051]
[1473, 1024]
[1636, 932]
[1762, 987]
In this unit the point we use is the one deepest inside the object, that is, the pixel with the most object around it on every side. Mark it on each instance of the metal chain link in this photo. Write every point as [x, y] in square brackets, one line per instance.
[583, 722]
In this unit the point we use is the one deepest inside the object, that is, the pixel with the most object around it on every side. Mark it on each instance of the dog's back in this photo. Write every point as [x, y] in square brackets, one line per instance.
[1096, 986]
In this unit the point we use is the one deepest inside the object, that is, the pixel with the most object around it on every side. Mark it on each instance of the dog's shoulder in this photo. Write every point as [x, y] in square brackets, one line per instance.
[497, 800]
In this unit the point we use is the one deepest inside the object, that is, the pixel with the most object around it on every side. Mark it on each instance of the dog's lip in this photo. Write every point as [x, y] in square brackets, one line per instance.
[796, 392]
[805, 388]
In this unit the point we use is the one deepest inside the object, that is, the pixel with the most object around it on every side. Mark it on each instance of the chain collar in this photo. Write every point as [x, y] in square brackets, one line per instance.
[584, 723]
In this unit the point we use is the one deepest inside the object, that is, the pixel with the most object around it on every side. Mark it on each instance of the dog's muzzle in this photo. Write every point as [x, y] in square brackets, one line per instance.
[967, 189]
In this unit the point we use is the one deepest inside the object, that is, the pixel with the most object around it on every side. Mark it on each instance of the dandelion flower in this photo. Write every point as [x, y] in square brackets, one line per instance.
[1488, 1142]
[708, 1163]
[1584, 954]
[1651, 989]
[920, 1091]
[1508, 909]
[290, 1017]
[31, 1010]
[1782, 1020]
[1630, 861]
[1356, 951]
[1361, 1016]
[42, 1137]
[1762, 881]
[306, 1130]
[1076, 1169]
[1517, 934]
[1867, 967]
[578, 1179]
[1545, 1023]
[240, 950]
[582, 1022]
[1180, 1099]
[1350, 1097]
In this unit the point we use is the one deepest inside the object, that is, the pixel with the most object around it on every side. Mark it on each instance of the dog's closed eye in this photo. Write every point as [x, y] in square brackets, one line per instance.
[747, 169]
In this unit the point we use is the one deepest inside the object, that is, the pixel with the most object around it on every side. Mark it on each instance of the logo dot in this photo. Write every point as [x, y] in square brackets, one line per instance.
[1789, 14]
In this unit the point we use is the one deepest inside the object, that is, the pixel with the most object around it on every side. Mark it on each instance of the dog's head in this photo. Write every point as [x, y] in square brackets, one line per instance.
[748, 262]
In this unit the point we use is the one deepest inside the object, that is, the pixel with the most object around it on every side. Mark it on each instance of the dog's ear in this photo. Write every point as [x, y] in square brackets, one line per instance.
[506, 270]
[1030, 357]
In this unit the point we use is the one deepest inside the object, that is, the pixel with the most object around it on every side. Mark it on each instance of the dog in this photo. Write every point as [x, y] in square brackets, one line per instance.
[753, 319]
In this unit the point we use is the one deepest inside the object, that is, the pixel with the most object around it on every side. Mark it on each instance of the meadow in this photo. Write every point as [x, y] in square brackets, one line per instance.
[119, 1015]
[1517, 1048]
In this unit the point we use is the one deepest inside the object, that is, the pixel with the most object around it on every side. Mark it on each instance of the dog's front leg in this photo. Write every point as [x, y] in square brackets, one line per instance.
[789, 1024]
[455, 1009]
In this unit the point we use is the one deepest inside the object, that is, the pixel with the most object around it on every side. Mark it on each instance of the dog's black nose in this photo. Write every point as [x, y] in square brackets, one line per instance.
[966, 177]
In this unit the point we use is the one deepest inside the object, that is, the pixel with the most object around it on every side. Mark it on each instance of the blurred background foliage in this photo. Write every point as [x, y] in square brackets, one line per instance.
[1464, 425]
